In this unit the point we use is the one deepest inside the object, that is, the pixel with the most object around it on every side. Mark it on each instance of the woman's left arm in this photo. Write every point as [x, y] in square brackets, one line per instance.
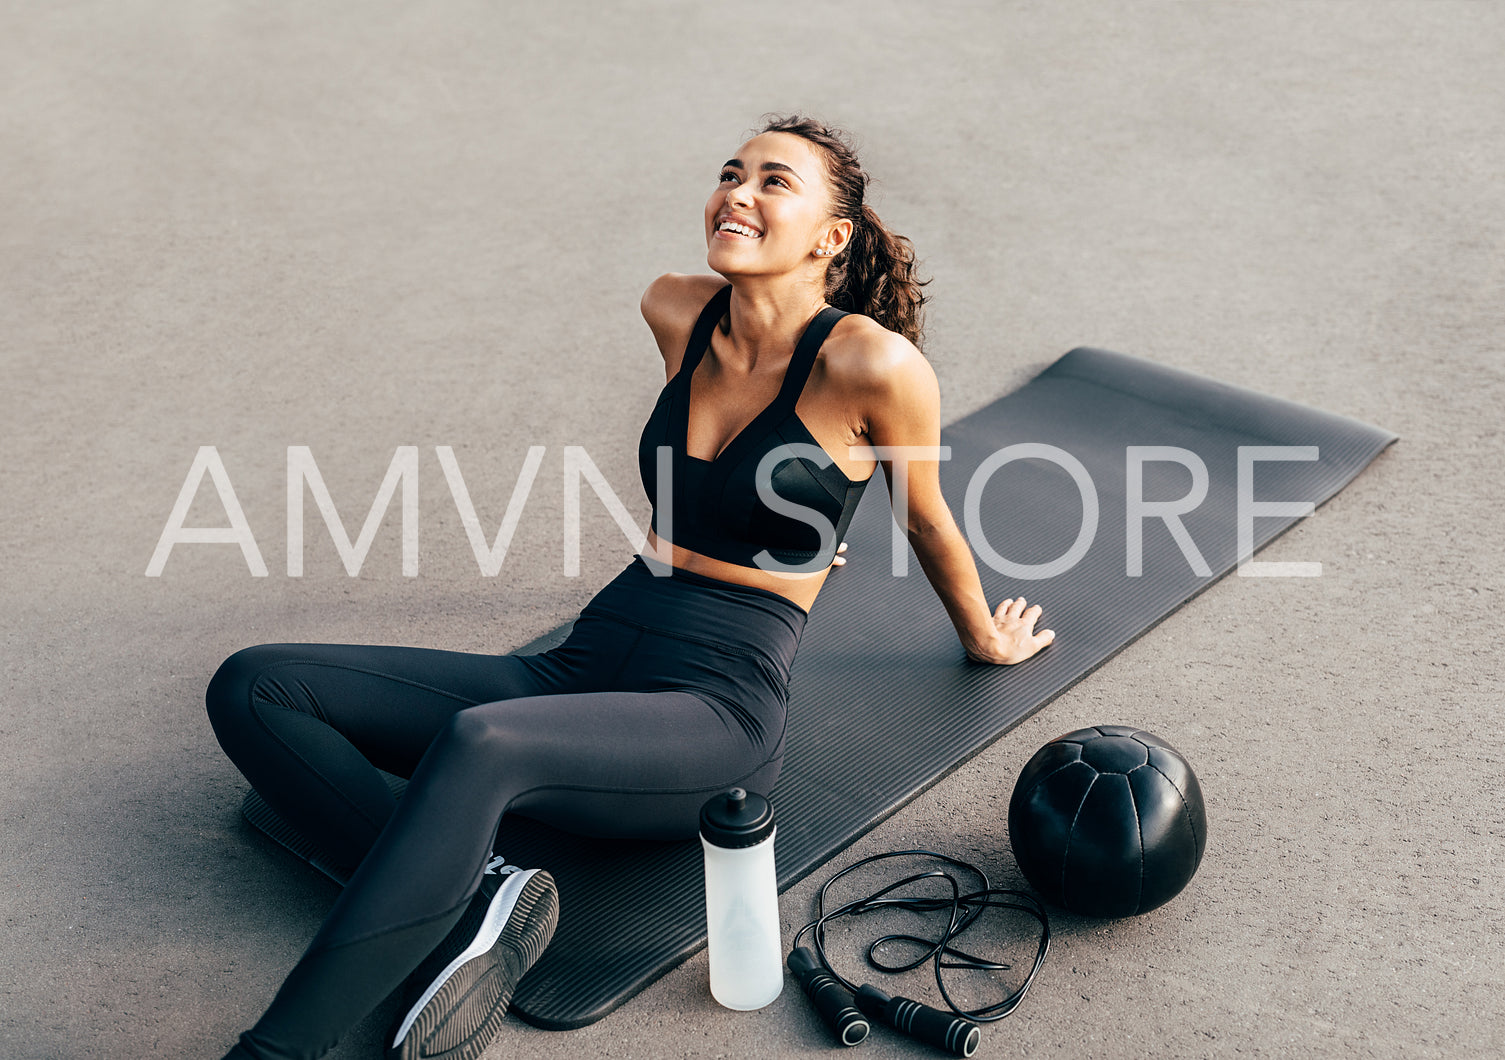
[904, 409]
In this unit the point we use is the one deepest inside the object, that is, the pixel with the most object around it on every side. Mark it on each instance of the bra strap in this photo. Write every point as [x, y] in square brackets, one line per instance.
[803, 360]
[700, 338]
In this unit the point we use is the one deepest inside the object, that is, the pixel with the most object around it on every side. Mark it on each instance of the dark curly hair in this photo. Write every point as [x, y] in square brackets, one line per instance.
[874, 273]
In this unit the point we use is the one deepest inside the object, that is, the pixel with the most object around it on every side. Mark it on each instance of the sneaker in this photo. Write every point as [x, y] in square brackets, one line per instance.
[459, 1011]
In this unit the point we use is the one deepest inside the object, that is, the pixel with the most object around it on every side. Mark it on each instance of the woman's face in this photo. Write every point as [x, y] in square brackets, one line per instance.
[771, 208]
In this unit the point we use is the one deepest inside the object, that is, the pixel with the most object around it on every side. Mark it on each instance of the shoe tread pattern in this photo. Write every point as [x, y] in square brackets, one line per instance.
[466, 1014]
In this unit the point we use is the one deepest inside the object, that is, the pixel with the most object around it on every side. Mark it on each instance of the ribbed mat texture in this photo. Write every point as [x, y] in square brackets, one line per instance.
[885, 703]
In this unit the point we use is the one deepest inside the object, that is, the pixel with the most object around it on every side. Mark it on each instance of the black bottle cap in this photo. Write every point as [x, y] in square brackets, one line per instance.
[736, 818]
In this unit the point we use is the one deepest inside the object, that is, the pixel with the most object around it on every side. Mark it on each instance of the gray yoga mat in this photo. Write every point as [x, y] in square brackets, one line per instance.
[884, 703]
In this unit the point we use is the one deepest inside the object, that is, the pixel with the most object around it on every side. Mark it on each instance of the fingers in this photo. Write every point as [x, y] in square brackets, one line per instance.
[1016, 608]
[840, 560]
[1015, 619]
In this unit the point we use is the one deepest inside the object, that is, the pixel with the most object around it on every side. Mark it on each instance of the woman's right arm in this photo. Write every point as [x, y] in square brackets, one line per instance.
[671, 305]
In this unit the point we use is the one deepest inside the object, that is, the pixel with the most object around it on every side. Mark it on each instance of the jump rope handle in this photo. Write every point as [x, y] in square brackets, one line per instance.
[941, 1029]
[829, 997]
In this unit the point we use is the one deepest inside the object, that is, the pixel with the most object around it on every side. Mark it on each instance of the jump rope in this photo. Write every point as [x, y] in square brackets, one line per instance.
[847, 1008]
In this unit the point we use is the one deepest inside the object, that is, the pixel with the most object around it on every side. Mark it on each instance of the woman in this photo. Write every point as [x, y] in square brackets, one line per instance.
[672, 686]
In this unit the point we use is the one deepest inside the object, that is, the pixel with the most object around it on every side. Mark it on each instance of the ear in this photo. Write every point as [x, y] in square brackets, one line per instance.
[837, 236]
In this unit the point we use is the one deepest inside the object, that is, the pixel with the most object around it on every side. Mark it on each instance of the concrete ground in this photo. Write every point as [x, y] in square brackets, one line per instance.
[355, 227]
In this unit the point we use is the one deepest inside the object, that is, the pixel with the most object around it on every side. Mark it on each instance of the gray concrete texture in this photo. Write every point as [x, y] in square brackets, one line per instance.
[358, 226]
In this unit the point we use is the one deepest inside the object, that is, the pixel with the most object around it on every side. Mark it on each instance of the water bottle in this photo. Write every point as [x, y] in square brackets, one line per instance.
[741, 899]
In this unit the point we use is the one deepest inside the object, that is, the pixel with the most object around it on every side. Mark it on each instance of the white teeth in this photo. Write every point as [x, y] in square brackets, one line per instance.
[740, 229]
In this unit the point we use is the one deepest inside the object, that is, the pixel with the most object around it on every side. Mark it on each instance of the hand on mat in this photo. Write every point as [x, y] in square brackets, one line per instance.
[840, 560]
[1015, 638]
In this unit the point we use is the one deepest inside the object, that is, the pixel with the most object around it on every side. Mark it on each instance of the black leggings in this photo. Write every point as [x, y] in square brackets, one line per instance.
[668, 690]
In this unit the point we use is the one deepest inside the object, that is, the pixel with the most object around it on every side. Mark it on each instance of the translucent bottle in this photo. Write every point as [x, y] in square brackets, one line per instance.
[741, 899]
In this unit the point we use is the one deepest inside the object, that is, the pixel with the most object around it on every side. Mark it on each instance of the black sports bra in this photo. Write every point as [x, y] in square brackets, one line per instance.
[716, 509]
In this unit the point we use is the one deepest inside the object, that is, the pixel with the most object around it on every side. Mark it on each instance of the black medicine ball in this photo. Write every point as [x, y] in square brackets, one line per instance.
[1107, 821]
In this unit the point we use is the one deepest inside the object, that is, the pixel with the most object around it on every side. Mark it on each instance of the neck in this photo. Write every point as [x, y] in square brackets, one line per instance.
[765, 319]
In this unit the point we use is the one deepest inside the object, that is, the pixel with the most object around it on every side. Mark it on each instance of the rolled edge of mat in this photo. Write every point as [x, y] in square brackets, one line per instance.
[1150, 380]
[266, 821]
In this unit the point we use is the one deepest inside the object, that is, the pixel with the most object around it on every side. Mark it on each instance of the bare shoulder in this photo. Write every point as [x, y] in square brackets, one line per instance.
[867, 360]
[671, 305]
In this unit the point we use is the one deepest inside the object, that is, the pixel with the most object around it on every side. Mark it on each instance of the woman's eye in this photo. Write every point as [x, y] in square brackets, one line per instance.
[781, 181]
[727, 175]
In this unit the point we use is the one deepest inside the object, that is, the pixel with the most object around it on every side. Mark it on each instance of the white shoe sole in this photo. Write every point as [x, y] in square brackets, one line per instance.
[459, 1013]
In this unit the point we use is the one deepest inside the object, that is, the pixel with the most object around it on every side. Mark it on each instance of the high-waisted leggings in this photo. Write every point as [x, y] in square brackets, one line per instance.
[668, 690]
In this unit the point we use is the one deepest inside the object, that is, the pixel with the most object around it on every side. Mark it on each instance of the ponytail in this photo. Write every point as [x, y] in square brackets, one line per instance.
[874, 273]
[875, 276]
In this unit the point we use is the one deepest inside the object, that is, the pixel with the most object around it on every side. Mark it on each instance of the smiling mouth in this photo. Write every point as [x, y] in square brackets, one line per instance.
[738, 228]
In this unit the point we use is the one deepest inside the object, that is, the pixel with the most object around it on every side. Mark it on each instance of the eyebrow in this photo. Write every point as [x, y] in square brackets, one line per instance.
[766, 167]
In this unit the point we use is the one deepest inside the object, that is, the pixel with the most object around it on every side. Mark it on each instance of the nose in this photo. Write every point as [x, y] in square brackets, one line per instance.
[739, 194]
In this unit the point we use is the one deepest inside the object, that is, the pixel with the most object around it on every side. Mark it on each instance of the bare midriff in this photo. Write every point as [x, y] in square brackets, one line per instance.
[801, 589]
